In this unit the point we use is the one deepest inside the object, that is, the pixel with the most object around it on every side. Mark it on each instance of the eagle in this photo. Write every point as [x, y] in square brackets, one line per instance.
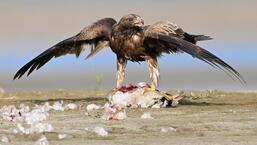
[131, 40]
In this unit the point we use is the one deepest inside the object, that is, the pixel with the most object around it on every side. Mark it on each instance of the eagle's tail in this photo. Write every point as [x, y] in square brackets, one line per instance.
[194, 38]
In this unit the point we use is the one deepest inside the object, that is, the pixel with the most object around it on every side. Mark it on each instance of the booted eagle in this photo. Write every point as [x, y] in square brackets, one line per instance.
[131, 40]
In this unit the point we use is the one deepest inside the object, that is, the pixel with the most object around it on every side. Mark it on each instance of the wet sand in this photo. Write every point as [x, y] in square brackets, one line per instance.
[209, 117]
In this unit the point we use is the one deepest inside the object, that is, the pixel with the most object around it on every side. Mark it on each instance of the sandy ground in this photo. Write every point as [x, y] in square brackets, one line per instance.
[209, 117]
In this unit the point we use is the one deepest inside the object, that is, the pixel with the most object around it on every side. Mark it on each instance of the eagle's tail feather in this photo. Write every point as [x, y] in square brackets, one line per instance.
[194, 38]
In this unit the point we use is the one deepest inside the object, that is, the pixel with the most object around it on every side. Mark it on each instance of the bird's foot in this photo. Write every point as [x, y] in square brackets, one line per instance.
[168, 97]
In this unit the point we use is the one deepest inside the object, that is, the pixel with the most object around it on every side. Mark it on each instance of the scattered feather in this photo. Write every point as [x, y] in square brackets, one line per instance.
[168, 129]
[71, 106]
[62, 136]
[121, 116]
[42, 141]
[91, 107]
[3, 139]
[58, 106]
[147, 115]
[100, 131]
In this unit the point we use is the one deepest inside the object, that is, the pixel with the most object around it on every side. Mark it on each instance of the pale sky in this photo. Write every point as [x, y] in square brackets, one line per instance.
[28, 27]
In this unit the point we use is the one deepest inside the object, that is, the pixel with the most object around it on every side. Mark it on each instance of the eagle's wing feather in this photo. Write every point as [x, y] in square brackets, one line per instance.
[97, 35]
[167, 37]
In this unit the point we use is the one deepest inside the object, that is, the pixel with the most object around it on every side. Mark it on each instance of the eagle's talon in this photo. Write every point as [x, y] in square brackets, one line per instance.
[168, 97]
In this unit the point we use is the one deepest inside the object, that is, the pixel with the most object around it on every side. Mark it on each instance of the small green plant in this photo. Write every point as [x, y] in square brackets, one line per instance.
[98, 80]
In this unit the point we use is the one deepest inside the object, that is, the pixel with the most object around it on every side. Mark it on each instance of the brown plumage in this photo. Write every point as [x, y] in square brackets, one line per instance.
[130, 40]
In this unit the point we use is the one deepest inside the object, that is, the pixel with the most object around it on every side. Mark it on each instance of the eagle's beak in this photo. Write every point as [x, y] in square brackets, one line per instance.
[138, 23]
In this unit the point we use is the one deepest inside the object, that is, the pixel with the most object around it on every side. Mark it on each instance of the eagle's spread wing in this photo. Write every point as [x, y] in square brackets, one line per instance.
[169, 38]
[97, 35]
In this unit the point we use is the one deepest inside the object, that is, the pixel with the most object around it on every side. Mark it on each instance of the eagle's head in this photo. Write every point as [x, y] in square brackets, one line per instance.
[131, 20]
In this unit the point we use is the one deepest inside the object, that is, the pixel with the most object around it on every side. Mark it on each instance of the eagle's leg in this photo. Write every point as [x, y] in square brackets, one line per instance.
[154, 72]
[121, 65]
